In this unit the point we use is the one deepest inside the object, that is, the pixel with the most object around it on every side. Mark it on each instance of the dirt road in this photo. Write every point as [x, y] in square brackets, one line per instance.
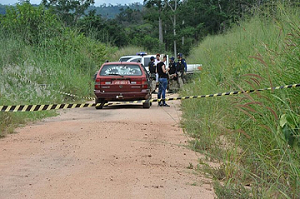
[117, 152]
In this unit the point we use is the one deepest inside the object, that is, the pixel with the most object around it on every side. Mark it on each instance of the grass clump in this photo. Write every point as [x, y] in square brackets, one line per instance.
[254, 136]
[40, 59]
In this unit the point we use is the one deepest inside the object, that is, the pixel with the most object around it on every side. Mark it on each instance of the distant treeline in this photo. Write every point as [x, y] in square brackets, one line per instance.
[159, 26]
[111, 11]
[2, 9]
[106, 11]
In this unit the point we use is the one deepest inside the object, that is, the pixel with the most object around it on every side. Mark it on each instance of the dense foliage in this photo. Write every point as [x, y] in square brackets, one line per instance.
[42, 57]
[161, 26]
[172, 26]
[254, 137]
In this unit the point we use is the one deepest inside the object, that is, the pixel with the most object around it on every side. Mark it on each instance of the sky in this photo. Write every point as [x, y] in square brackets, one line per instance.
[97, 2]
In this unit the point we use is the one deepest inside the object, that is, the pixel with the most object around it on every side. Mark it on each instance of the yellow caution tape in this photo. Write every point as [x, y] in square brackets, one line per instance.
[23, 108]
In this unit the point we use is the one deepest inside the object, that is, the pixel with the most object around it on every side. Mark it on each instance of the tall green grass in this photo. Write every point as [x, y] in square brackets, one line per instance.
[38, 73]
[44, 60]
[255, 137]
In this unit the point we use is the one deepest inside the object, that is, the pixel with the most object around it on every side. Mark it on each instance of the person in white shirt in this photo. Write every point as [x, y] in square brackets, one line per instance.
[157, 60]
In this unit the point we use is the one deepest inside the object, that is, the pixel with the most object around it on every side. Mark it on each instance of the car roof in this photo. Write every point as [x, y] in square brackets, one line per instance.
[121, 63]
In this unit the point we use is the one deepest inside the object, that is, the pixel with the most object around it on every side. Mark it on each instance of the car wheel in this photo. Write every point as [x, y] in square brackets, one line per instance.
[101, 101]
[146, 104]
[99, 107]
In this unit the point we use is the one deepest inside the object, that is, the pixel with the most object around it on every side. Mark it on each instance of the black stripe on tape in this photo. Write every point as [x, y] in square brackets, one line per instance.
[6, 108]
[21, 107]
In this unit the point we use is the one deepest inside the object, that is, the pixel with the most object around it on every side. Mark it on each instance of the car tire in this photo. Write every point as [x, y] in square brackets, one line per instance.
[101, 101]
[99, 107]
[146, 104]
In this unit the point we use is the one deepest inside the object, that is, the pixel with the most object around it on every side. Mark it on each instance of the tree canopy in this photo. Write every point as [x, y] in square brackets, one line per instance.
[157, 25]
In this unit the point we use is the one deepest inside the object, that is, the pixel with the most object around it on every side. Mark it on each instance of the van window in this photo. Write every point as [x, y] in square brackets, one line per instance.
[146, 61]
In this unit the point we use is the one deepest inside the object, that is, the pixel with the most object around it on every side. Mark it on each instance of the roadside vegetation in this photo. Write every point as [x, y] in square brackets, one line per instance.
[255, 137]
[44, 58]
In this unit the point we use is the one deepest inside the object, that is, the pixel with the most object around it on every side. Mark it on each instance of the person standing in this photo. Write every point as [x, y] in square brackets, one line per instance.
[157, 60]
[181, 69]
[172, 67]
[152, 71]
[163, 81]
[173, 83]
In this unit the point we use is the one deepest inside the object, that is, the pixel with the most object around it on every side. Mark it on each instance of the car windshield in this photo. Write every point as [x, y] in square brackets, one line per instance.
[135, 60]
[124, 59]
[122, 70]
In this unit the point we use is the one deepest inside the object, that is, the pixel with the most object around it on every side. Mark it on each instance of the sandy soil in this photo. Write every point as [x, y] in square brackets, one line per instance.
[118, 152]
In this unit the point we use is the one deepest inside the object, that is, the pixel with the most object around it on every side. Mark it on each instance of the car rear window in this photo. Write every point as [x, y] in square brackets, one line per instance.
[123, 70]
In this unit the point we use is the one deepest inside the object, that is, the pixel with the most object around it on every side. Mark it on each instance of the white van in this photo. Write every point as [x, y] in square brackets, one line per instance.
[145, 59]
[142, 58]
[126, 58]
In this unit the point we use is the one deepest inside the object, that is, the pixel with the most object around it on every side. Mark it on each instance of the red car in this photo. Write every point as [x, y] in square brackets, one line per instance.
[122, 81]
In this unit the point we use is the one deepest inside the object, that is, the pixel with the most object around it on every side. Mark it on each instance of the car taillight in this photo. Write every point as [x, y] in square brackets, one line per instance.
[144, 83]
[105, 83]
[97, 84]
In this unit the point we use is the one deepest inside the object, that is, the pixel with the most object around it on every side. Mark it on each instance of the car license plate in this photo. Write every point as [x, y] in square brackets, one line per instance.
[121, 82]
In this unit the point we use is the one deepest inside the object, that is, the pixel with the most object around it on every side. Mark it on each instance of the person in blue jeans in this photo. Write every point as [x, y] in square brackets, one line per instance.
[163, 81]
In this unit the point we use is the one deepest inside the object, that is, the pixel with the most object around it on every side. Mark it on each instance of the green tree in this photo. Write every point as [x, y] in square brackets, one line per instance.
[105, 30]
[158, 5]
[173, 18]
[130, 17]
[34, 24]
[69, 11]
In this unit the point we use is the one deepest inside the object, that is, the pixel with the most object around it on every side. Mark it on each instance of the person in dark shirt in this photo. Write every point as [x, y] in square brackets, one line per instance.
[172, 67]
[152, 71]
[151, 65]
[181, 69]
[163, 81]
[173, 76]
[182, 66]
